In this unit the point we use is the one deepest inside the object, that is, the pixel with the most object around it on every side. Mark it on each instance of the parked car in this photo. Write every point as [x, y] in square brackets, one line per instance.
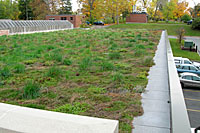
[190, 80]
[187, 68]
[87, 22]
[189, 22]
[180, 60]
[99, 23]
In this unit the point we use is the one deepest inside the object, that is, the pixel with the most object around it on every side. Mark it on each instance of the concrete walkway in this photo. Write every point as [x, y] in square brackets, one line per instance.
[156, 117]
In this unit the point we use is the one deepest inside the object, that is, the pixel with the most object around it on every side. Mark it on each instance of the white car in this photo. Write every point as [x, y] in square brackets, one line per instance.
[190, 80]
[180, 60]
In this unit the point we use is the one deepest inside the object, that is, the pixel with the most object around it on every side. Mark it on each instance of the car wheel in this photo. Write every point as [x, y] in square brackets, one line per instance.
[182, 85]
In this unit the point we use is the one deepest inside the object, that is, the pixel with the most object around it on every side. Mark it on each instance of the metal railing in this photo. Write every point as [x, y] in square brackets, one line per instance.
[179, 117]
[22, 26]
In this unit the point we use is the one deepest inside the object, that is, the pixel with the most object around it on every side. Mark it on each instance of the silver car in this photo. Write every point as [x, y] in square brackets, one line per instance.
[190, 80]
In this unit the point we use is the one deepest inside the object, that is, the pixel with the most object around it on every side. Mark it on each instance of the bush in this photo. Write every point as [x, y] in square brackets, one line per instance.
[54, 72]
[31, 90]
[196, 24]
[19, 68]
[185, 18]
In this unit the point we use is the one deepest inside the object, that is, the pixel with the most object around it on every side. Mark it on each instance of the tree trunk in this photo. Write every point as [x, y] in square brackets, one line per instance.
[117, 16]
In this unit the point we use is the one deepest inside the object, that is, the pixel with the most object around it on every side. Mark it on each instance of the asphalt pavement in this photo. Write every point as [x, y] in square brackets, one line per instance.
[192, 100]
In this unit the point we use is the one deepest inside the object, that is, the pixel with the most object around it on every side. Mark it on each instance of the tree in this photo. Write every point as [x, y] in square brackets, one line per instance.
[66, 7]
[180, 9]
[88, 6]
[40, 9]
[168, 10]
[9, 9]
[186, 18]
[25, 9]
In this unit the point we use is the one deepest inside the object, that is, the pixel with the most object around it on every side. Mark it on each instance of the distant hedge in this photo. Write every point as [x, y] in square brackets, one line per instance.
[196, 23]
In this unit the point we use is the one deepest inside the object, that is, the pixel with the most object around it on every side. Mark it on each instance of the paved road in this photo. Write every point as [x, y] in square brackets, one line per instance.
[192, 99]
[195, 39]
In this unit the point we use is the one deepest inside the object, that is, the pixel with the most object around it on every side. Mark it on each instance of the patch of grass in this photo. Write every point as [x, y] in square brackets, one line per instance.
[36, 106]
[19, 68]
[76, 108]
[171, 28]
[101, 98]
[85, 64]
[114, 55]
[5, 73]
[118, 77]
[138, 53]
[9, 94]
[106, 66]
[148, 61]
[67, 62]
[117, 105]
[96, 90]
[86, 72]
[177, 52]
[125, 127]
[54, 72]
[31, 90]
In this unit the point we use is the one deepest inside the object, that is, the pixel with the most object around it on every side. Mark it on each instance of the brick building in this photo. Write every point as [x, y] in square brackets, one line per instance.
[137, 17]
[74, 19]
[4, 32]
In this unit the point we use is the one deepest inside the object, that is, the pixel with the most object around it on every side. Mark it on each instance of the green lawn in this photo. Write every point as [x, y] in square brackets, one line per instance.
[171, 28]
[99, 73]
[177, 52]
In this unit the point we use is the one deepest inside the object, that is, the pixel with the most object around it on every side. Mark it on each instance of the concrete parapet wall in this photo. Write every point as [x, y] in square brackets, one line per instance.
[179, 117]
[4, 32]
[15, 119]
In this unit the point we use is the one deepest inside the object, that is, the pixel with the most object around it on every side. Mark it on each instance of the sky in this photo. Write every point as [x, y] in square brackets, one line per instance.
[191, 3]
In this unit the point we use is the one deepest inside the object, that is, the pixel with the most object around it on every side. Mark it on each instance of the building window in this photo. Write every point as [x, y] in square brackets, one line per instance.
[71, 18]
[63, 18]
[51, 18]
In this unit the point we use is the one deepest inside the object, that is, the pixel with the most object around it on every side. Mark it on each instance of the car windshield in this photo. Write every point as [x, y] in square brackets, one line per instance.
[185, 67]
[192, 68]
[187, 62]
[196, 78]
[187, 77]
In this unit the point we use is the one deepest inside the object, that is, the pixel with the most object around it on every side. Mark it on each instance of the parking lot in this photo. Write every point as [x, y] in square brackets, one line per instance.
[192, 100]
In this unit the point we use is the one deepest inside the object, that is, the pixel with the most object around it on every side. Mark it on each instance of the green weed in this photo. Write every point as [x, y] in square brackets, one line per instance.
[67, 62]
[5, 73]
[85, 64]
[118, 77]
[31, 90]
[96, 90]
[114, 55]
[107, 66]
[117, 105]
[19, 68]
[76, 108]
[54, 72]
